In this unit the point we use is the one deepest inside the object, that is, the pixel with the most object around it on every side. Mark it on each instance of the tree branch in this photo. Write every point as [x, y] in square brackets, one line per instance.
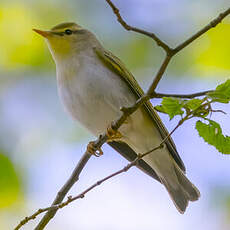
[138, 30]
[160, 95]
[55, 206]
[169, 51]
[126, 111]
[159, 74]
[62, 193]
[211, 25]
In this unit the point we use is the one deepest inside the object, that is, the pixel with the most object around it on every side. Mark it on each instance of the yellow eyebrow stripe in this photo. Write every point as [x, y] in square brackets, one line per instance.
[69, 25]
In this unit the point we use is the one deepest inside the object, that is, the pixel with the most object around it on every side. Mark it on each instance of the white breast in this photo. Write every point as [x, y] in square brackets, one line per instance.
[91, 93]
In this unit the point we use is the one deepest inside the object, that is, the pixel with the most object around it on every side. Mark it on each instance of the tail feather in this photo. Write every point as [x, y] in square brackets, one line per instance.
[180, 189]
[178, 196]
[190, 189]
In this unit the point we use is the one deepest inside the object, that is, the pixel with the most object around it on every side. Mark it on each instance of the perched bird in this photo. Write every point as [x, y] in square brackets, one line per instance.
[93, 85]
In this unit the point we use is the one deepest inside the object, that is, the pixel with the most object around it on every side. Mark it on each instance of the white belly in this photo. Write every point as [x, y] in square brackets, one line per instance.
[92, 97]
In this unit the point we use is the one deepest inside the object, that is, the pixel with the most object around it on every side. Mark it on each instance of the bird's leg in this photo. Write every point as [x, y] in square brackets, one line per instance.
[97, 152]
[113, 134]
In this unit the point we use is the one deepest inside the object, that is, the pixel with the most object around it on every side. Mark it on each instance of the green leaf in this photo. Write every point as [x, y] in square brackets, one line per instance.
[171, 106]
[212, 134]
[221, 93]
[9, 182]
[193, 104]
[160, 109]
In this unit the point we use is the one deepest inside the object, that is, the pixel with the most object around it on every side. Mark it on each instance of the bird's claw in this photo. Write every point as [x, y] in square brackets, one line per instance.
[113, 134]
[97, 152]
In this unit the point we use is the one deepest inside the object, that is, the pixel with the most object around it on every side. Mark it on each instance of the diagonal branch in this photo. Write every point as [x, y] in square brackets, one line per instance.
[160, 95]
[159, 74]
[169, 51]
[138, 30]
[55, 206]
[63, 191]
[159, 42]
[211, 25]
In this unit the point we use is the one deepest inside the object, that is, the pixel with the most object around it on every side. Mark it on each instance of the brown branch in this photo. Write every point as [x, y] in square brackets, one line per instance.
[211, 25]
[63, 191]
[135, 29]
[169, 51]
[33, 216]
[159, 41]
[160, 95]
[81, 195]
[159, 74]
[172, 52]
[70, 199]
[126, 111]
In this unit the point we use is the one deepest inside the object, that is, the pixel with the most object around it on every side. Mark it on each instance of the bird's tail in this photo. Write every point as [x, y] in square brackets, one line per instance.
[180, 189]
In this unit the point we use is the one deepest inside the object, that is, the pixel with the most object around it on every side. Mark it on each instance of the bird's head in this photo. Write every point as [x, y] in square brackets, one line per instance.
[66, 38]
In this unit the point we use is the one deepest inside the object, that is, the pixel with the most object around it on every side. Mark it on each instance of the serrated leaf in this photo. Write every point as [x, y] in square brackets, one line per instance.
[221, 93]
[171, 106]
[193, 104]
[212, 134]
[160, 108]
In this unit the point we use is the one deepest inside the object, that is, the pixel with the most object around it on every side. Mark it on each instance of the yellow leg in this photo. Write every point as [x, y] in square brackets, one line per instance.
[113, 134]
[94, 151]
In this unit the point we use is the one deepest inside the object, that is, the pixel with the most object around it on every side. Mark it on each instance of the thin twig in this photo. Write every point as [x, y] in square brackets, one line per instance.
[33, 216]
[159, 74]
[159, 41]
[169, 51]
[55, 207]
[128, 111]
[70, 199]
[218, 111]
[160, 95]
[212, 24]
[135, 29]
[64, 190]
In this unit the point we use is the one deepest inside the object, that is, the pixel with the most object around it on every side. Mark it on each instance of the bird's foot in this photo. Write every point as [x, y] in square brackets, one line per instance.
[113, 134]
[97, 152]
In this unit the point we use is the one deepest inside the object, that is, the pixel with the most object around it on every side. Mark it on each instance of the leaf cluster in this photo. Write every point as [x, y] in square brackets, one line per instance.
[201, 108]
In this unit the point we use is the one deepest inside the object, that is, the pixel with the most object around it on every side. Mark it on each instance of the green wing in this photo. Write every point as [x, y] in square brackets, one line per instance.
[117, 66]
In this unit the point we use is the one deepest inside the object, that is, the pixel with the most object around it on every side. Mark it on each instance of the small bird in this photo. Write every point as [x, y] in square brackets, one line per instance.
[93, 85]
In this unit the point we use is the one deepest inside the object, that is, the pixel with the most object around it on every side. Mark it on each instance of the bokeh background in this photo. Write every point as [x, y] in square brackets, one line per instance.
[40, 144]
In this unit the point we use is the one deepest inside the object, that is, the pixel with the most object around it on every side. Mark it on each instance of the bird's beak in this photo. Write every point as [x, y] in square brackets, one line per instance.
[44, 33]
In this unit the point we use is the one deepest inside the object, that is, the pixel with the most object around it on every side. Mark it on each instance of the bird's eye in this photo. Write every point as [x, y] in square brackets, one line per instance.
[68, 32]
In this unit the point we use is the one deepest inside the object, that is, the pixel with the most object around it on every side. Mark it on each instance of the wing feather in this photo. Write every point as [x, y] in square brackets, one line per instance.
[129, 154]
[118, 67]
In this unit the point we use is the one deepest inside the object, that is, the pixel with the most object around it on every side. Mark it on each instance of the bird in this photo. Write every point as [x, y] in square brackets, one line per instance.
[93, 85]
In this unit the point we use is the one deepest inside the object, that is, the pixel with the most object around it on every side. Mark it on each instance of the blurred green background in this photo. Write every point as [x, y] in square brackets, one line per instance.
[40, 144]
